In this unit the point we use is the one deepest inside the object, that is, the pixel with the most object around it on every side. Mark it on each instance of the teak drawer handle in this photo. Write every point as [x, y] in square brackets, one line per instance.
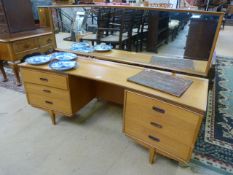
[157, 109]
[46, 91]
[154, 138]
[48, 102]
[44, 79]
[156, 125]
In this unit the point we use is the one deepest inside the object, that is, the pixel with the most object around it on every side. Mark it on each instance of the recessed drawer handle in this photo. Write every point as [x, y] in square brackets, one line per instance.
[49, 102]
[46, 91]
[156, 125]
[157, 109]
[44, 79]
[154, 138]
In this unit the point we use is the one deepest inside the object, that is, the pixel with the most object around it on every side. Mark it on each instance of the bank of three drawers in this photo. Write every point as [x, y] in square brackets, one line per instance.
[168, 128]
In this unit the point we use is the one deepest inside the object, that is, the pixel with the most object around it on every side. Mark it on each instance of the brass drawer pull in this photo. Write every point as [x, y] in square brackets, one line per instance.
[154, 138]
[156, 125]
[49, 40]
[46, 91]
[44, 79]
[157, 109]
[49, 102]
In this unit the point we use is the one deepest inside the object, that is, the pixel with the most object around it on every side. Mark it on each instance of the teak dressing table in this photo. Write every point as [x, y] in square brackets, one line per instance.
[163, 123]
[166, 123]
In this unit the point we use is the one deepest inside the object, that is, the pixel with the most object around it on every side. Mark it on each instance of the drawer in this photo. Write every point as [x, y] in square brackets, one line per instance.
[45, 78]
[172, 121]
[25, 45]
[46, 40]
[157, 140]
[49, 103]
[47, 91]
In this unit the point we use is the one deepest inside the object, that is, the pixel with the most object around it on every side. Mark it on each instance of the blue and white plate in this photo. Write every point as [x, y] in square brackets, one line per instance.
[59, 65]
[80, 45]
[38, 60]
[103, 47]
[84, 49]
[64, 56]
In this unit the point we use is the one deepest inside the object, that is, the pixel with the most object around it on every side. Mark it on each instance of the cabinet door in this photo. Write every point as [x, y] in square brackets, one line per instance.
[19, 15]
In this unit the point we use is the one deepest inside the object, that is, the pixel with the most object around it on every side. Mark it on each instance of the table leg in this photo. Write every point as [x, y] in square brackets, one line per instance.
[15, 68]
[53, 117]
[152, 155]
[3, 71]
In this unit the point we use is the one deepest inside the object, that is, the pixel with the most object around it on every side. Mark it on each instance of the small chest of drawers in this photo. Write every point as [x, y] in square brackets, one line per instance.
[167, 128]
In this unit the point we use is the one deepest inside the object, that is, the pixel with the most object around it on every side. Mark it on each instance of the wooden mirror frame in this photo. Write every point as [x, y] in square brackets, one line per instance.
[45, 15]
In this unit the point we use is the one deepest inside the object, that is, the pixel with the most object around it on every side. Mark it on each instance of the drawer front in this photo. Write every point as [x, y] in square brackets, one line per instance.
[157, 140]
[49, 103]
[25, 45]
[45, 78]
[170, 120]
[46, 40]
[47, 91]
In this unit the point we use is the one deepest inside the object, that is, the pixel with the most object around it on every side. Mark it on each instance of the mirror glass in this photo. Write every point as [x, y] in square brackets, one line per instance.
[148, 37]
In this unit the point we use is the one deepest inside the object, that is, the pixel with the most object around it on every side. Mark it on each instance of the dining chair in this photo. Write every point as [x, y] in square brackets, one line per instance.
[119, 32]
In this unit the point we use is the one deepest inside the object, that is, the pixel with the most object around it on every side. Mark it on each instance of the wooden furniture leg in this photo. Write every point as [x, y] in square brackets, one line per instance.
[53, 117]
[15, 68]
[152, 155]
[3, 72]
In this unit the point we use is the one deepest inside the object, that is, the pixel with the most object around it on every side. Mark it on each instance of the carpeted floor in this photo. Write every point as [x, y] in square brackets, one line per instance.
[214, 147]
[11, 83]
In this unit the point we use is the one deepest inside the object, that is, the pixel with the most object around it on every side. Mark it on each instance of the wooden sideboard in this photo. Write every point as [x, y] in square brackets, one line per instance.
[161, 122]
[13, 47]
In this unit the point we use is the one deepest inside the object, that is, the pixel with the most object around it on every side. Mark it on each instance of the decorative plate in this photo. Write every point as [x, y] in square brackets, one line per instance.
[59, 65]
[103, 47]
[38, 60]
[64, 56]
[80, 45]
[84, 49]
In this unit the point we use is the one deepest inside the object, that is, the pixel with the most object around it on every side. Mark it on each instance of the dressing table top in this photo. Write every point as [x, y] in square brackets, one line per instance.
[195, 98]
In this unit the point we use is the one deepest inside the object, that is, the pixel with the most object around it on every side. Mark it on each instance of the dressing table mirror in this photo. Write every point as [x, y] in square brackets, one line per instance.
[181, 41]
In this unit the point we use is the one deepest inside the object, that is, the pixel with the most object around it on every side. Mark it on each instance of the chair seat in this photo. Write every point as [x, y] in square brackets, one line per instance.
[114, 38]
[91, 37]
[174, 24]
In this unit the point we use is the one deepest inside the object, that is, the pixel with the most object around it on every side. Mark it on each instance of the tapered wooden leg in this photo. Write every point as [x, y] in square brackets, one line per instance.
[15, 68]
[53, 117]
[184, 165]
[152, 155]
[3, 71]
